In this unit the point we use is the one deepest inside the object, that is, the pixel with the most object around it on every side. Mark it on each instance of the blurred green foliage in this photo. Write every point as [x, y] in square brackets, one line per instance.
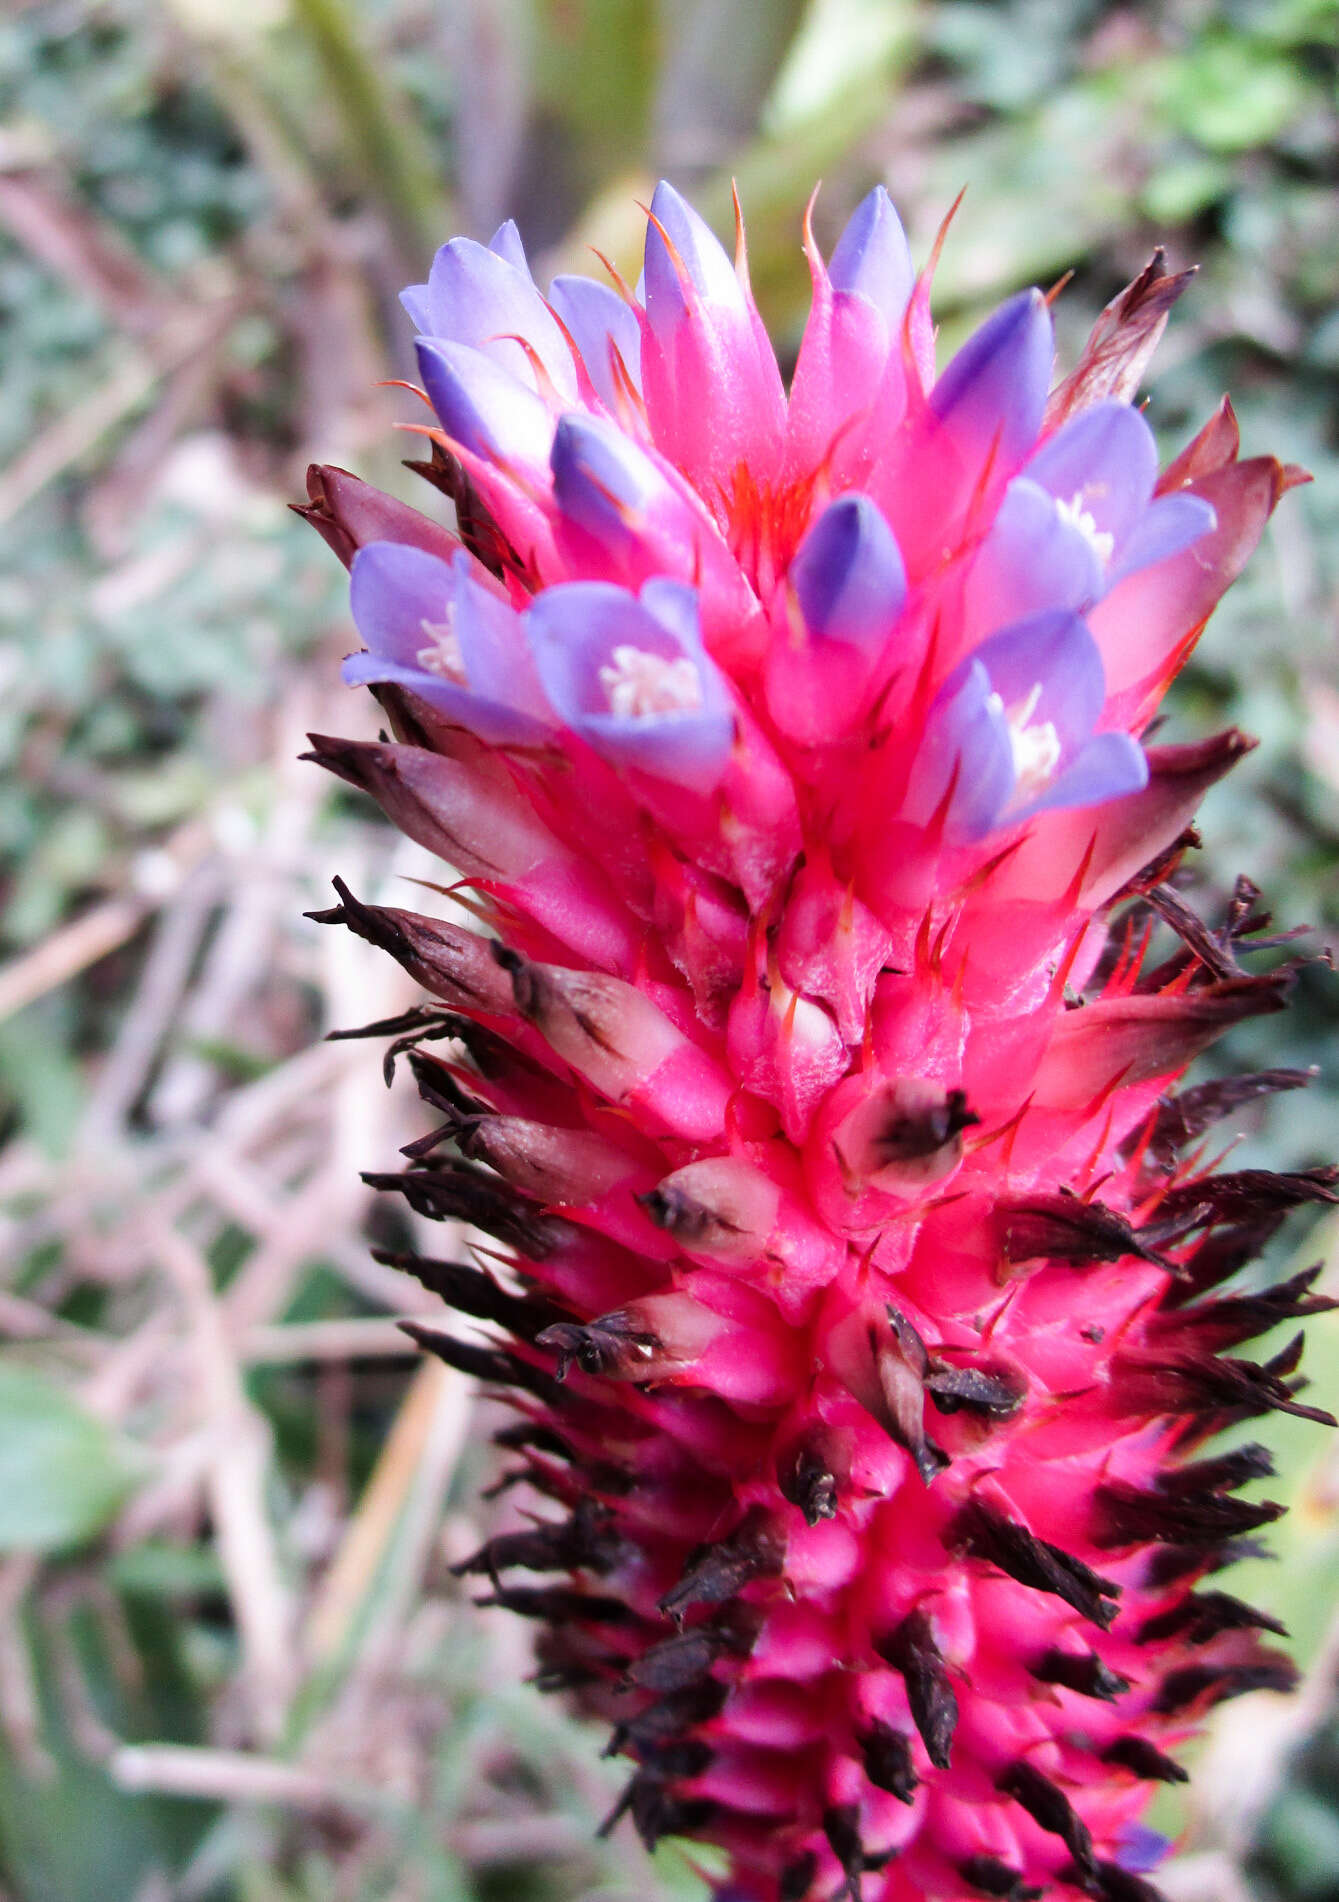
[205, 211]
[62, 1476]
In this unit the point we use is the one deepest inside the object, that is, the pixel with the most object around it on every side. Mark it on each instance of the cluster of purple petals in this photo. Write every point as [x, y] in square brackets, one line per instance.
[581, 631]
[543, 385]
[1012, 732]
[1081, 515]
[443, 630]
[434, 628]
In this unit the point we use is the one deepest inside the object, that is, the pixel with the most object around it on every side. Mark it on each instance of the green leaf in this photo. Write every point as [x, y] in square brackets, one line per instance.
[62, 1473]
[392, 156]
[1229, 95]
[594, 68]
[67, 1833]
[837, 47]
[39, 1076]
[1183, 188]
[237, 1063]
[158, 1570]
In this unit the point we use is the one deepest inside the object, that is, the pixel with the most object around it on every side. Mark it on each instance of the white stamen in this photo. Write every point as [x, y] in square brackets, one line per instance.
[1081, 518]
[443, 657]
[1036, 749]
[637, 684]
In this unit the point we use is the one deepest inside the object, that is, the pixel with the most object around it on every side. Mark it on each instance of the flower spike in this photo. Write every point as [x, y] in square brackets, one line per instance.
[857, 1259]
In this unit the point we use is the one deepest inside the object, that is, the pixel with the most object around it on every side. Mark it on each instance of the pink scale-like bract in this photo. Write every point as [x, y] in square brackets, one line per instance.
[856, 1273]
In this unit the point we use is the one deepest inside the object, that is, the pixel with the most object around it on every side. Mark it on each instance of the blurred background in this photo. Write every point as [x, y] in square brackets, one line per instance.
[234, 1666]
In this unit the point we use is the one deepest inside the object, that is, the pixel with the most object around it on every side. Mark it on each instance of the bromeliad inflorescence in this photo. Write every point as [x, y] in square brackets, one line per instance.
[855, 1276]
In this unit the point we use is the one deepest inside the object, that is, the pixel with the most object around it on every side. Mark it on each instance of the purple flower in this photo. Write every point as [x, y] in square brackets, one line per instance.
[993, 393]
[601, 479]
[1011, 732]
[1100, 469]
[872, 260]
[1034, 557]
[506, 241]
[848, 575]
[430, 627]
[848, 394]
[629, 674]
[482, 406]
[1141, 1848]
[680, 246]
[701, 334]
[600, 323]
[1079, 518]
[847, 583]
[484, 296]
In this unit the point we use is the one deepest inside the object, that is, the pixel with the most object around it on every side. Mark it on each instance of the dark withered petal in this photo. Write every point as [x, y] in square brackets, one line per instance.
[886, 1754]
[583, 1542]
[676, 1663]
[457, 1192]
[492, 1365]
[471, 1291]
[1203, 1616]
[986, 1534]
[806, 1479]
[841, 1826]
[1134, 1515]
[1213, 952]
[1234, 1319]
[716, 1574]
[1122, 341]
[797, 1877]
[993, 1393]
[478, 530]
[1210, 1386]
[1183, 1117]
[669, 1717]
[657, 1811]
[1049, 1807]
[907, 1134]
[1222, 1253]
[1144, 1760]
[1204, 1685]
[911, 1649]
[533, 1433]
[1171, 1564]
[613, 1344]
[987, 1875]
[1220, 1472]
[1251, 1193]
[1063, 1227]
[1081, 1671]
[901, 1364]
[1108, 1882]
[558, 1605]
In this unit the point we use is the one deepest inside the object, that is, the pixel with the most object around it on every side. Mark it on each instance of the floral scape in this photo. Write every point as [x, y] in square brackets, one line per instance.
[859, 1277]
